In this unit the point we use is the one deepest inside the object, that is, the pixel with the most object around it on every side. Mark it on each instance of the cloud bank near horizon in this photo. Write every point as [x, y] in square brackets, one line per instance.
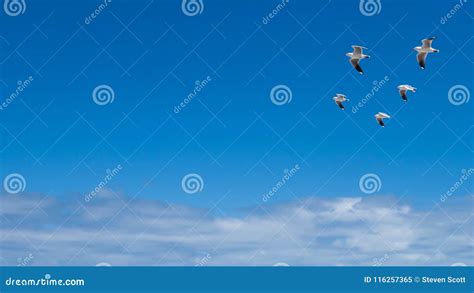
[42, 230]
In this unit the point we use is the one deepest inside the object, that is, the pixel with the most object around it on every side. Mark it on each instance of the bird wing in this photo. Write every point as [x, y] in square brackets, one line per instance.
[355, 64]
[427, 43]
[357, 50]
[339, 103]
[421, 57]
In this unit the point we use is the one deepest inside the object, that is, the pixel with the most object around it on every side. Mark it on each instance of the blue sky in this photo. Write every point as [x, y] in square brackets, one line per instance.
[56, 83]
[231, 134]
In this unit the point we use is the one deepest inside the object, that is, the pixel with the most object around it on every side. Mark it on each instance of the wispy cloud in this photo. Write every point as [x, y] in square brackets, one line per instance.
[316, 231]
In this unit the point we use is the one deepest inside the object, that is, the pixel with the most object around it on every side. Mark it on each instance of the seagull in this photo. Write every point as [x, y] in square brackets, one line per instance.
[402, 89]
[338, 99]
[424, 50]
[380, 116]
[356, 56]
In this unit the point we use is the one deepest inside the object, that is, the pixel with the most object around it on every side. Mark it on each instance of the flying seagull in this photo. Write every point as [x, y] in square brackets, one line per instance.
[380, 116]
[424, 50]
[338, 99]
[402, 89]
[356, 56]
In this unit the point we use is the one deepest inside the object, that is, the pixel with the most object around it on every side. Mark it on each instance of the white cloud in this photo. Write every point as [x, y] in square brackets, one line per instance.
[329, 231]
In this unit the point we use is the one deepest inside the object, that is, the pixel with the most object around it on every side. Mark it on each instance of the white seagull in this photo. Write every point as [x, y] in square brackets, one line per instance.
[424, 50]
[338, 99]
[402, 89]
[380, 116]
[356, 56]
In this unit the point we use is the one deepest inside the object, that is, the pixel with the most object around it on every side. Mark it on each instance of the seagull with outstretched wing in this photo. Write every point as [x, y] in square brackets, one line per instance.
[338, 99]
[356, 56]
[402, 89]
[380, 116]
[424, 50]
